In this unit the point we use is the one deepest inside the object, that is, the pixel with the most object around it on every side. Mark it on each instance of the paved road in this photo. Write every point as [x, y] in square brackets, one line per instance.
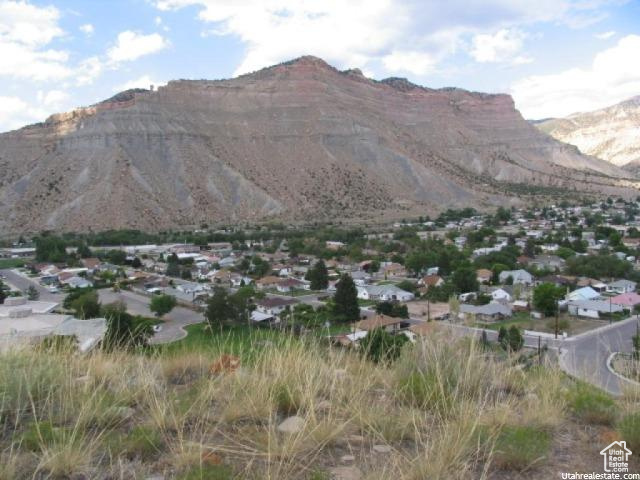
[174, 322]
[22, 282]
[585, 356]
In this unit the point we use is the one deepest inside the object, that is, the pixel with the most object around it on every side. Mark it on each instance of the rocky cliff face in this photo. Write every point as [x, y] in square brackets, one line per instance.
[297, 141]
[612, 134]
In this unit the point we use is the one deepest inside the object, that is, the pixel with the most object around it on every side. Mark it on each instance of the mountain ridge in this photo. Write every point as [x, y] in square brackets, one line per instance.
[611, 133]
[296, 141]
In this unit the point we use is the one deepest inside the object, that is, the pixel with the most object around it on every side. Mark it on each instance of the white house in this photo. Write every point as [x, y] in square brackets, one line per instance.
[501, 295]
[384, 293]
[520, 277]
[621, 286]
[592, 308]
[274, 306]
[584, 293]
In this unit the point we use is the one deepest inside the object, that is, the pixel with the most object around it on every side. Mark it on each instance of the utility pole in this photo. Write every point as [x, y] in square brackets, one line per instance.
[428, 310]
[557, 313]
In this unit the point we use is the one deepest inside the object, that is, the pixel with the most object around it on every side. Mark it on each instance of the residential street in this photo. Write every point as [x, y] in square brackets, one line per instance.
[22, 282]
[174, 322]
[585, 356]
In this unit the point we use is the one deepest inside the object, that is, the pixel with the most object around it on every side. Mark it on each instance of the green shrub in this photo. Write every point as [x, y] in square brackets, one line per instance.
[592, 405]
[518, 447]
[286, 400]
[41, 434]
[208, 472]
[629, 428]
[143, 442]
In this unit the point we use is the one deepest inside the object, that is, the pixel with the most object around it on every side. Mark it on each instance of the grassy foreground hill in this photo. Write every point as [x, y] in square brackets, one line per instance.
[444, 410]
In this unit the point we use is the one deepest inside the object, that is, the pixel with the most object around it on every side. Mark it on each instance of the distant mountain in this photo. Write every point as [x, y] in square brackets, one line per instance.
[612, 134]
[299, 141]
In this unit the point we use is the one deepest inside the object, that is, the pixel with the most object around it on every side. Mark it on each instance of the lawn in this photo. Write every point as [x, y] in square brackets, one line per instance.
[572, 325]
[11, 262]
[234, 340]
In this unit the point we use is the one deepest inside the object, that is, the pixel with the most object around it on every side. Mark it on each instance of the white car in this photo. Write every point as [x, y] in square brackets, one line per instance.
[157, 328]
[53, 290]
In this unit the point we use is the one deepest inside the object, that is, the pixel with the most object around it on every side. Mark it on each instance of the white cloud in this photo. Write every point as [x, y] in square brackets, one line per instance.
[605, 35]
[15, 113]
[87, 29]
[25, 31]
[502, 46]
[53, 99]
[359, 33]
[417, 63]
[613, 76]
[131, 46]
[144, 81]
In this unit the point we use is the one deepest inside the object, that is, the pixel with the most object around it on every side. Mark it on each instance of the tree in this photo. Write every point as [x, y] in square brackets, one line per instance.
[392, 309]
[136, 263]
[123, 329]
[511, 339]
[86, 305]
[84, 251]
[50, 248]
[345, 300]
[3, 294]
[162, 304]
[223, 308]
[465, 279]
[318, 276]
[32, 293]
[545, 298]
[381, 346]
[219, 310]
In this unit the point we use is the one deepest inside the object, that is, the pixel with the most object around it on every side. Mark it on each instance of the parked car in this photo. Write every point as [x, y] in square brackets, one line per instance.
[157, 328]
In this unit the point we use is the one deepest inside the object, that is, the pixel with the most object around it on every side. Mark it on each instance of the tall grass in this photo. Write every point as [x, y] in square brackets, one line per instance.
[446, 409]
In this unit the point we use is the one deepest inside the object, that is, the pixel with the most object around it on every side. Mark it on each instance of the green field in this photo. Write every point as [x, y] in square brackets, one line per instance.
[11, 262]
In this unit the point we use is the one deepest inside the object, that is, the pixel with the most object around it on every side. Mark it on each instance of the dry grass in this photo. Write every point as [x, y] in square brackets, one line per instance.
[446, 409]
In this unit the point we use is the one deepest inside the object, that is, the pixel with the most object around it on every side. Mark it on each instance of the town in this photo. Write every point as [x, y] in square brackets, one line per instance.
[540, 278]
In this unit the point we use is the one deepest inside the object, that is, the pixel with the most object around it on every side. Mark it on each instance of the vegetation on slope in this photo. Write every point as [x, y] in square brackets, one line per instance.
[443, 409]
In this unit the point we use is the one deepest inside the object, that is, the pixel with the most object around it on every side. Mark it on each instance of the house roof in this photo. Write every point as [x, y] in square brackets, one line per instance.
[597, 305]
[626, 299]
[488, 309]
[623, 283]
[268, 280]
[378, 321]
[276, 302]
[432, 280]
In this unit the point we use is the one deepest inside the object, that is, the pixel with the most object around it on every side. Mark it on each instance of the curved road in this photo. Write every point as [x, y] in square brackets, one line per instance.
[174, 322]
[585, 356]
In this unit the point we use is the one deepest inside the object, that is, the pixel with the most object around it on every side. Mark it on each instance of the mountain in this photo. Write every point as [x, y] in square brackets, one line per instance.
[612, 134]
[299, 141]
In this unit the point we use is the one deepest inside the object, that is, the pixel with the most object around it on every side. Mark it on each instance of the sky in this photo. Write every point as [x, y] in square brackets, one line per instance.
[555, 57]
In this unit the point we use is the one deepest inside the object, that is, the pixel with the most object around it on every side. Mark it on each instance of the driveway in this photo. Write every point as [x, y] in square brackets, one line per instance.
[174, 321]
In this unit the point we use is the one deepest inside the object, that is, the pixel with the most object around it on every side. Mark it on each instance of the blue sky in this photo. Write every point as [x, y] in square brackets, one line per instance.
[554, 56]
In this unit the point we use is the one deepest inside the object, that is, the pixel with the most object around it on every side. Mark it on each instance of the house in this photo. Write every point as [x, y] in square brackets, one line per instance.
[584, 293]
[501, 295]
[431, 281]
[621, 286]
[334, 245]
[384, 293]
[360, 277]
[484, 275]
[267, 282]
[275, 305]
[390, 324]
[393, 269]
[240, 280]
[263, 318]
[627, 300]
[77, 282]
[547, 262]
[291, 284]
[91, 264]
[519, 277]
[592, 308]
[520, 306]
[491, 312]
